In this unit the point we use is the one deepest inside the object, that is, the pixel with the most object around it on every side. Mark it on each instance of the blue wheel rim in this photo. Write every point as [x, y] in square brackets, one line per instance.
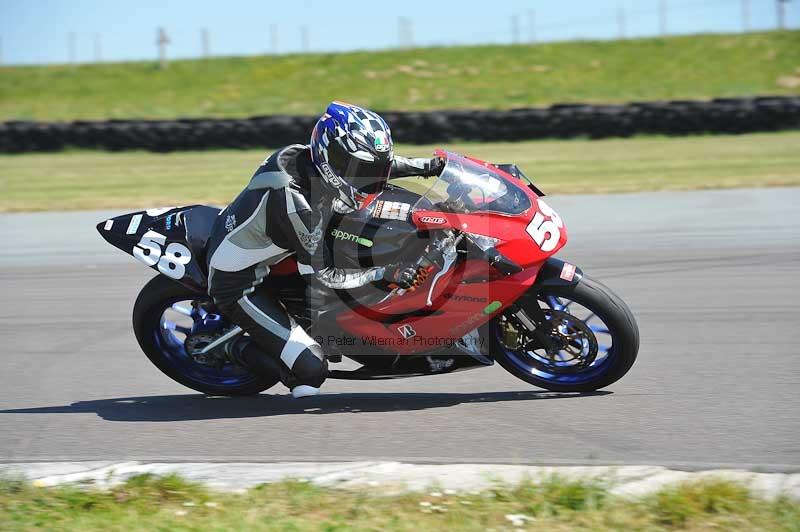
[168, 332]
[533, 364]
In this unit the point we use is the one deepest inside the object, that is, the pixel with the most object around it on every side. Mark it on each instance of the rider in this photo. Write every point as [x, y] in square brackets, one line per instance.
[285, 210]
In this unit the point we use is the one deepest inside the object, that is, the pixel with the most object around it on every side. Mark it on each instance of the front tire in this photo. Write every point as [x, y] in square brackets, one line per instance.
[165, 348]
[596, 332]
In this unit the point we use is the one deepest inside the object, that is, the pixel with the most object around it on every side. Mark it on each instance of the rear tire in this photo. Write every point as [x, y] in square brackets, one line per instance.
[154, 297]
[608, 307]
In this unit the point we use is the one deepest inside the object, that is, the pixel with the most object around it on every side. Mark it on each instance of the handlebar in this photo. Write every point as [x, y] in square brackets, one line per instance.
[435, 256]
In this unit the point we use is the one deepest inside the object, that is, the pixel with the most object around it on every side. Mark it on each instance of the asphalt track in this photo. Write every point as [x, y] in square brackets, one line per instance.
[711, 277]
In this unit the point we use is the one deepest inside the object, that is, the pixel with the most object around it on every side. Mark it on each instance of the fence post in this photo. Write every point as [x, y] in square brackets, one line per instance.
[204, 42]
[531, 26]
[780, 5]
[162, 40]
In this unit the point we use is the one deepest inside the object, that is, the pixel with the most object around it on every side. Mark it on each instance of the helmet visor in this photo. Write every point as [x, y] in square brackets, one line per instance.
[368, 177]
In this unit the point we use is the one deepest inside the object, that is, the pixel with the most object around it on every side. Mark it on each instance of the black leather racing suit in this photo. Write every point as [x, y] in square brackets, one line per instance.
[281, 212]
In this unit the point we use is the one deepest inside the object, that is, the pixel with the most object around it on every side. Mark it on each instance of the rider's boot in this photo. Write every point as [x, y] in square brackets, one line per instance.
[246, 353]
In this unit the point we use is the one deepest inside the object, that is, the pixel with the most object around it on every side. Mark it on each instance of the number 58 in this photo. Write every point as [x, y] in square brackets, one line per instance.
[174, 259]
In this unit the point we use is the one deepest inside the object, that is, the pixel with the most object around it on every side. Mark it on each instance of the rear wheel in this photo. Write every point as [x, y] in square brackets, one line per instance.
[592, 339]
[172, 324]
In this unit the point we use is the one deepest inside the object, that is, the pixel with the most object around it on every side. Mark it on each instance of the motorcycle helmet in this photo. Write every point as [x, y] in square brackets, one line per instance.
[352, 149]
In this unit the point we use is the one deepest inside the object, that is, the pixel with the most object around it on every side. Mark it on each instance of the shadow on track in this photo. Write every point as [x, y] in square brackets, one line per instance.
[199, 407]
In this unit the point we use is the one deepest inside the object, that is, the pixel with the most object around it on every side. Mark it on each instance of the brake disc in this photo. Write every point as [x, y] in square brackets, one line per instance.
[194, 345]
[573, 336]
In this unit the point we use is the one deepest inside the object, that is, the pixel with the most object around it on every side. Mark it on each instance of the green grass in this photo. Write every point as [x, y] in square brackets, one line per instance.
[89, 180]
[169, 503]
[699, 66]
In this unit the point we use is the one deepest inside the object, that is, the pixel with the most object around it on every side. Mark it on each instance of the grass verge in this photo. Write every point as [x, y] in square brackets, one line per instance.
[94, 180]
[170, 503]
[696, 66]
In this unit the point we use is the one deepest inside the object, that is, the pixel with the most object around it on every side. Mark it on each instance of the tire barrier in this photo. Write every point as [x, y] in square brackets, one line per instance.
[723, 115]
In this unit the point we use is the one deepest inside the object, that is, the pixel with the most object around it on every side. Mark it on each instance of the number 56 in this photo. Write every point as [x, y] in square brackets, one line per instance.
[546, 233]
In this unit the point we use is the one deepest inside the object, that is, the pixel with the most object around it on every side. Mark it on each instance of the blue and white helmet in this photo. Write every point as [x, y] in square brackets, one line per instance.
[352, 149]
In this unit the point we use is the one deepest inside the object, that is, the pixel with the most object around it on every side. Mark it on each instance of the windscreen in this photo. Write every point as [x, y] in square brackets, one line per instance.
[466, 186]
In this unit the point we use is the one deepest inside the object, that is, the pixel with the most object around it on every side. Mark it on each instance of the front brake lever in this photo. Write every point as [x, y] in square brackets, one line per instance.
[446, 251]
[449, 257]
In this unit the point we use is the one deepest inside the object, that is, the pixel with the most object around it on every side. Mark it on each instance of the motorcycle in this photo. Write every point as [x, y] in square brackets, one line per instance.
[494, 292]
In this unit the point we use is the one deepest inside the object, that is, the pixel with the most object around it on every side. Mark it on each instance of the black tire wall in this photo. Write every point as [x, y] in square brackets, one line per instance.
[729, 115]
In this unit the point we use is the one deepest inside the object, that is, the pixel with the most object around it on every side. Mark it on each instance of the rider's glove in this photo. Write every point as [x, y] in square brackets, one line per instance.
[407, 277]
[434, 167]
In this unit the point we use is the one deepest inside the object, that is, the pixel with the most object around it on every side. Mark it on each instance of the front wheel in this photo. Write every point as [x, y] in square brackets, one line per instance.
[590, 339]
[170, 321]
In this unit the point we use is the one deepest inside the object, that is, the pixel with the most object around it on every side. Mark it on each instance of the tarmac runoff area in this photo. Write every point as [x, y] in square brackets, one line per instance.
[712, 278]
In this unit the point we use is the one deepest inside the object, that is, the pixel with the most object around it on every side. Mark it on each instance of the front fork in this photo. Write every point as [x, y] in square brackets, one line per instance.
[554, 272]
[536, 323]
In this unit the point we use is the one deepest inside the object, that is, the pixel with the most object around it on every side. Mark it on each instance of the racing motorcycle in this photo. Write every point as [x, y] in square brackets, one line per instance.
[494, 292]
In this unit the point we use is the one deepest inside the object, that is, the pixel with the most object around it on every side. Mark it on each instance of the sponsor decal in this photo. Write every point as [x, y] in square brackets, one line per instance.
[406, 331]
[230, 222]
[391, 210]
[332, 178]
[432, 220]
[108, 225]
[567, 271]
[168, 222]
[381, 142]
[343, 235]
[134, 225]
[466, 299]
[492, 307]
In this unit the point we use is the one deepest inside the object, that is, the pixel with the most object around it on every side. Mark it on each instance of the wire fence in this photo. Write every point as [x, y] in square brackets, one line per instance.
[648, 18]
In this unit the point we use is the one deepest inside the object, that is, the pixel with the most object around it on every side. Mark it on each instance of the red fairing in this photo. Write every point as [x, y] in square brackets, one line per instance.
[473, 292]
[457, 308]
[515, 233]
[527, 238]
